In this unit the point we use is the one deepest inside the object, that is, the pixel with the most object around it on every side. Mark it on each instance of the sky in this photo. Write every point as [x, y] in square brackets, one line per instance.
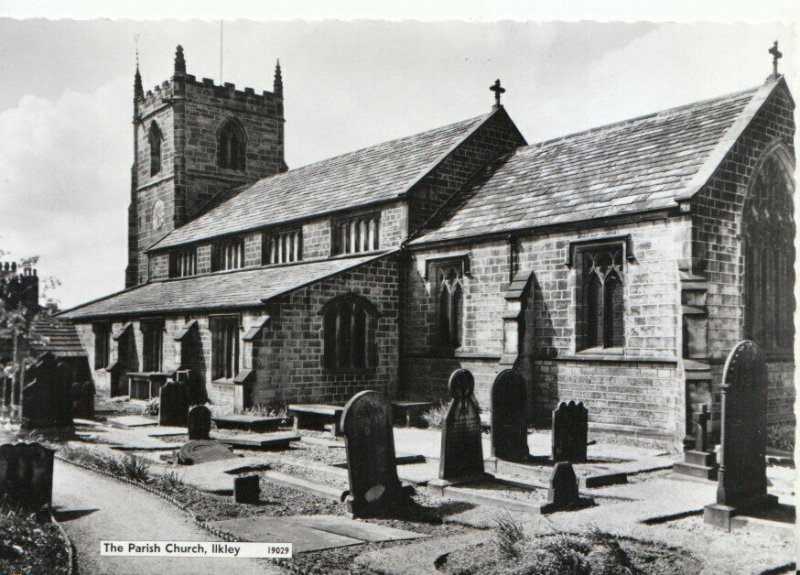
[67, 88]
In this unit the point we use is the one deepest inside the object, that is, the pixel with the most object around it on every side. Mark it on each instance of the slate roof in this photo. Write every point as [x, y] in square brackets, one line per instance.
[224, 290]
[58, 337]
[366, 176]
[638, 165]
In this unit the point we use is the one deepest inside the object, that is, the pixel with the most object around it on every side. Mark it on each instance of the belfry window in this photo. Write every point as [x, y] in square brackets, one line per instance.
[154, 138]
[231, 146]
[349, 328]
[768, 231]
[601, 301]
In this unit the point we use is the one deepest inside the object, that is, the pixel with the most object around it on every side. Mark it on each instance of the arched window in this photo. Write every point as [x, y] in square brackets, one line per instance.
[154, 138]
[602, 298]
[768, 232]
[450, 305]
[231, 146]
[349, 323]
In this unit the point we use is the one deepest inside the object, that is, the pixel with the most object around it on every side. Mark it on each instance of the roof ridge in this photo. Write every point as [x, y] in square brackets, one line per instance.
[365, 148]
[659, 113]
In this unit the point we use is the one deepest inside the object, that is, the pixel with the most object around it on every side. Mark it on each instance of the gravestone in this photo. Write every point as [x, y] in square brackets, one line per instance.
[742, 484]
[83, 400]
[199, 451]
[26, 475]
[199, 422]
[462, 449]
[246, 489]
[47, 396]
[699, 462]
[371, 467]
[562, 492]
[570, 432]
[174, 405]
[509, 421]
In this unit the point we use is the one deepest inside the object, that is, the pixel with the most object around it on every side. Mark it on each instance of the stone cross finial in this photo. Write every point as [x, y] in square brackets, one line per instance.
[776, 55]
[702, 417]
[498, 90]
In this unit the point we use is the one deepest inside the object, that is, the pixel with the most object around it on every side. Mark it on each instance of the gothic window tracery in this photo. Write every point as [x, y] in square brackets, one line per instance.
[768, 230]
[349, 328]
[602, 296]
[448, 280]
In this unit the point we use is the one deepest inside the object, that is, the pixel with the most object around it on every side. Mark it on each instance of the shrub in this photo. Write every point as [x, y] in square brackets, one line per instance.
[781, 436]
[170, 481]
[136, 468]
[27, 546]
[509, 533]
[434, 417]
[151, 407]
[274, 408]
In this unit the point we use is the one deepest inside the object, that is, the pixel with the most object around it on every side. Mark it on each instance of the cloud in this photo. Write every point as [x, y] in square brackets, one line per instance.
[64, 176]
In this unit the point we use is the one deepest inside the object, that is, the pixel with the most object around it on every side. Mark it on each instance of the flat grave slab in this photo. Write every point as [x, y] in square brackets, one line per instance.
[282, 530]
[356, 529]
[85, 422]
[166, 431]
[131, 421]
[277, 440]
[250, 422]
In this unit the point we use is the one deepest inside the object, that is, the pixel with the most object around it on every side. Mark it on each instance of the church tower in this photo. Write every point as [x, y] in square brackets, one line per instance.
[195, 142]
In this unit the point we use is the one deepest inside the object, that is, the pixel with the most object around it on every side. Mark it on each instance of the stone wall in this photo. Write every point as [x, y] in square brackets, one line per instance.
[645, 374]
[496, 137]
[287, 352]
[717, 252]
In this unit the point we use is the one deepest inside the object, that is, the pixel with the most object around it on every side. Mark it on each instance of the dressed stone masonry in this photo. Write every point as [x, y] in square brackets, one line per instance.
[598, 270]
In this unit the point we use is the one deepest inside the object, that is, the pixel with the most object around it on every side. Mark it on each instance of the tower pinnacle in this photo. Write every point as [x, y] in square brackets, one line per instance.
[277, 85]
[180, 63]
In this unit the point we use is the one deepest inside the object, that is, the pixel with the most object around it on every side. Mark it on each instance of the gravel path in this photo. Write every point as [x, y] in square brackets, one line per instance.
[93, 507]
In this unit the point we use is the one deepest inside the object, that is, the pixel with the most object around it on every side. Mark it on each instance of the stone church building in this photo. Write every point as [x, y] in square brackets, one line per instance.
[616, 266]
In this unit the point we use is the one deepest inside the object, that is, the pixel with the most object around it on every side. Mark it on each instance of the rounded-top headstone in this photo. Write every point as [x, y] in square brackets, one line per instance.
[199, 422]
[461, 384]
[509, 421]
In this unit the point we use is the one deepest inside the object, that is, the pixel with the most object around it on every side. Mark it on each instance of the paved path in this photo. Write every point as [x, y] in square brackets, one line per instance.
[93, 507]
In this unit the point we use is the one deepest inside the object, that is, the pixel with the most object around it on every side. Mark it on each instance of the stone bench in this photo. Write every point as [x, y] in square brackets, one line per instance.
[316, 414]
[409, 409]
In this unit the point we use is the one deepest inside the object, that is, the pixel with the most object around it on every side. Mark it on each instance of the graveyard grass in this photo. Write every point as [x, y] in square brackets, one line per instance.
[588, 552]
[28, 545]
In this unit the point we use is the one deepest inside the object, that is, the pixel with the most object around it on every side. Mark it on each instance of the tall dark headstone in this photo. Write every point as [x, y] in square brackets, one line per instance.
[26, 475]
[47, 396]
[462, 449]
[199, 422]
[699, 462]
[742, 484]
[173, 404]
[371, 466]
[509, 421]
[83, 400]
[570, 432]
